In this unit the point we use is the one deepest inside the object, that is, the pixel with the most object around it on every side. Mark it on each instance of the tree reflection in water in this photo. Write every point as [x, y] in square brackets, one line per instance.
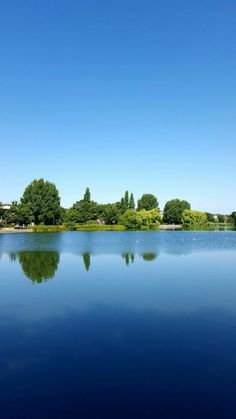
[86, 259]
[128, 257]
[39, 266]
[149, 256]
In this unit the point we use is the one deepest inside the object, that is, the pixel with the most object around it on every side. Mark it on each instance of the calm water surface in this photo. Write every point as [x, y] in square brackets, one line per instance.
[118, 325]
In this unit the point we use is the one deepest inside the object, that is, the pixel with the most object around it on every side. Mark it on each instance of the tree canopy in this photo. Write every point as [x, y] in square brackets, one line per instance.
[126, 202]
[84, 210]
[173, 211]
[131, 201]
[43, 199]
[192, 218]
[137, 219]
[148, 202]
[40, 203]
[110, 214]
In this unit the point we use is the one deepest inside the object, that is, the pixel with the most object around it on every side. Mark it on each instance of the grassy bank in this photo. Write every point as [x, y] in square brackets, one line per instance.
[78, 227]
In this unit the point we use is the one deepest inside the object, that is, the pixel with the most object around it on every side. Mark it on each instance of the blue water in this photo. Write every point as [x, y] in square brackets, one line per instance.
[118, 325]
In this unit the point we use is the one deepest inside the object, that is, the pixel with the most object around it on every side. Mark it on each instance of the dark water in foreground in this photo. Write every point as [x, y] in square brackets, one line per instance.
[118, 325]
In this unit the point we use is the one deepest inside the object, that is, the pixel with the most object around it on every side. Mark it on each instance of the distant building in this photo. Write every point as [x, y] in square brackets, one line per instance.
[100, 221]
[5, 207]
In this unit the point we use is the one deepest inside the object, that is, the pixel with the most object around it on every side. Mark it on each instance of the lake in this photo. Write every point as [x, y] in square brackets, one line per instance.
[118, 325]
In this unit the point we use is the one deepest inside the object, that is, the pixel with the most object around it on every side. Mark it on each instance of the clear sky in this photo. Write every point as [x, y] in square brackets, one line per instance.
[120, 94]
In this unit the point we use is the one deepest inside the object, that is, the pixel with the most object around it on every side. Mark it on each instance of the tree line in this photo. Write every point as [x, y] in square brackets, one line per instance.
[40, 204]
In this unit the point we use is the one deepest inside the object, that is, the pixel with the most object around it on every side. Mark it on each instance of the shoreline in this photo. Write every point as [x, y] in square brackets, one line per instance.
[165, 227]
[15, 231]
[27, 230]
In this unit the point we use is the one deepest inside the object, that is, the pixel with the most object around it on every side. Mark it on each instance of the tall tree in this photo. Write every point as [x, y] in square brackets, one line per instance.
[148, 202]
[87, 195]
[173, 211]
[43, 199]
[84, 210]
[126, 199]
[131, 202]
[124, 203]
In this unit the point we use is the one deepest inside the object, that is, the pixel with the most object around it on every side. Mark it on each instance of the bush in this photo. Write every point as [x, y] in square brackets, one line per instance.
[192, 218]
[145, 220]
[70, 225]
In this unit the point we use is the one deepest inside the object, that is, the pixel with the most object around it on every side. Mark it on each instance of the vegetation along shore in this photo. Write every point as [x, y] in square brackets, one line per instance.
[39, 209]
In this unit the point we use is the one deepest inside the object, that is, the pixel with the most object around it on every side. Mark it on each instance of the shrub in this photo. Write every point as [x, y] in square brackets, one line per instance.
[191, 217]
[143, 219]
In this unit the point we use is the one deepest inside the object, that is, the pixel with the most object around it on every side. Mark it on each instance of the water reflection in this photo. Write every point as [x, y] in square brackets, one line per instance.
[149, 256]
[128, 257]
[39, 266]
[87, 261]
[151, 333]
[119, 243]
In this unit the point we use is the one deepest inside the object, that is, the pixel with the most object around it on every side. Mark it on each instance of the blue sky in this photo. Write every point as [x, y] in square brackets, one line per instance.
[120, 94]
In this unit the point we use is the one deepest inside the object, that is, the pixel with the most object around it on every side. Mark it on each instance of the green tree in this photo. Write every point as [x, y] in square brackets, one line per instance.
[43, 199]
[233, 217]
[131, 201]
[123, 205]
[84, 210]
[173, 211]
[147, 202]
[210, 217]
[221, 218]
[87, 195]
[110, 214]
[25, 214]
[126, 200]
[131, 219]
[62, 215]
[137, 219]
[149, 218]
[12, 214]
[192, 218]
